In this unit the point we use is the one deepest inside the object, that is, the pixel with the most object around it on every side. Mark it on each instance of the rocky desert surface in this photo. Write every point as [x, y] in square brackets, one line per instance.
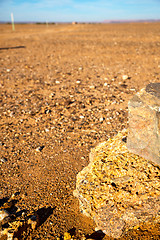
[63, 90]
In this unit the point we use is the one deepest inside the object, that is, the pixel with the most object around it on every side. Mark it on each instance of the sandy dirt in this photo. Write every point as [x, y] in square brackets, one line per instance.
[62, 91]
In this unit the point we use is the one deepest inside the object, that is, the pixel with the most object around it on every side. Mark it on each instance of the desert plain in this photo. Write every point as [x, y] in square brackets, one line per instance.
[65, 88]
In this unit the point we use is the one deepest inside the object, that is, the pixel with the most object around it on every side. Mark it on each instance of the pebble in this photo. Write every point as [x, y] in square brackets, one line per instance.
[125, 77]
[3, 214]
[33, 221]
[14, 195]
[51, 95]
[39, 149]
[3, 160]
[101, 119]
[10, 235]
[47, 111]
[67, 236]
[132, 89]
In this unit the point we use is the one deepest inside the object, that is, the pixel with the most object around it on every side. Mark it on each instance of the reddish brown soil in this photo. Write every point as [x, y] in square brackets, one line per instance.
[62, 93]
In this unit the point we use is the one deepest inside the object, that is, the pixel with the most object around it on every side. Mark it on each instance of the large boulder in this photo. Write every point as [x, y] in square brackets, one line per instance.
[144, 123]
[118, 189]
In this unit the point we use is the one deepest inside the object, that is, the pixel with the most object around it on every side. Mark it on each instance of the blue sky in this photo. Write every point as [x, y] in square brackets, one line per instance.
[79, 10]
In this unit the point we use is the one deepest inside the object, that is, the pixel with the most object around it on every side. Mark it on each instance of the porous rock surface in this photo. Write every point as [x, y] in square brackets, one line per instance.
[144, 123]
[119, 189]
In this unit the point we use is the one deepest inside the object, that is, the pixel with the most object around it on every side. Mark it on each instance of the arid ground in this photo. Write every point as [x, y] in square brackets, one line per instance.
[64, 89]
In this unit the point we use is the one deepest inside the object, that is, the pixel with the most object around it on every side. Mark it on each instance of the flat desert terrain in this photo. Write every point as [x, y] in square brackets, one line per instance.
[64, 89]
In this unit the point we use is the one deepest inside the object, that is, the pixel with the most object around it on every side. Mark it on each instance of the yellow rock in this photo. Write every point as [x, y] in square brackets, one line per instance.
[67, 236]
[118, 189]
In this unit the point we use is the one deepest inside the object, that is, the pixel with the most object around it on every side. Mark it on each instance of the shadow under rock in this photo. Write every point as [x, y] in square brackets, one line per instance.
[98, 235]
[3, 200]
[43, 214]
[7, 48]
[40, 216]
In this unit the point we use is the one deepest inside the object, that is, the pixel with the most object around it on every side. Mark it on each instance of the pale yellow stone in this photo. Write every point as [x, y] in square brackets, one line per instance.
[117, 187]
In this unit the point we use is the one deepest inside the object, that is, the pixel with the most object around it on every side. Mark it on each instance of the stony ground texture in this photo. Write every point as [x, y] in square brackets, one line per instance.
[118, 189]
[64, 89]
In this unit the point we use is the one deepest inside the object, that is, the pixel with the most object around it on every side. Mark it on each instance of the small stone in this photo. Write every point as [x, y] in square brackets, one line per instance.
[67, 236]
[57, 82]
[4, 216]
[132, 89]
[3, 160]
[14, 195]
[33, 221]
[39, 149]
[10, 235]
[101, 119]
[8, 204]
[125, 77]
[47, 111]
[51, 95]
[83, 238]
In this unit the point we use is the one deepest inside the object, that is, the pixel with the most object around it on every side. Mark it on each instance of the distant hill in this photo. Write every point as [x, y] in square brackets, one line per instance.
[105, 21]
[128, 21]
